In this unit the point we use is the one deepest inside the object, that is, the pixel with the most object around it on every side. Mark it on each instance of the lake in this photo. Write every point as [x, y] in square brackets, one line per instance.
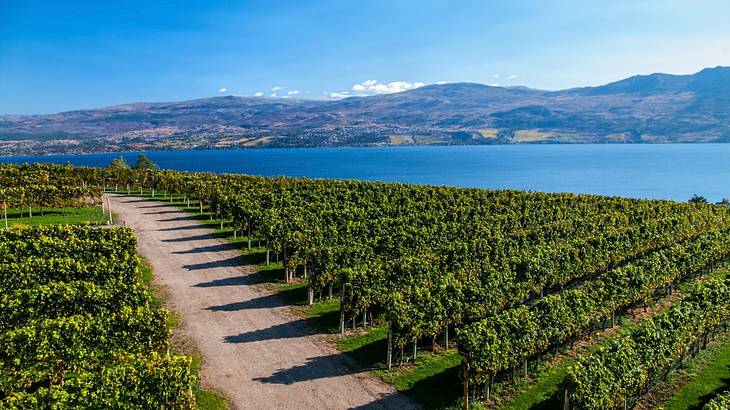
[667, 171]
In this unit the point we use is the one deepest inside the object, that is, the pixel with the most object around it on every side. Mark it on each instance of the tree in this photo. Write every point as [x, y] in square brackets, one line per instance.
[119, 163]
[696, 199]
[145, 163]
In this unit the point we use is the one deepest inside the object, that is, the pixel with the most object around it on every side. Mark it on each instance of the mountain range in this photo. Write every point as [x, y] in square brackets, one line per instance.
[652, 108]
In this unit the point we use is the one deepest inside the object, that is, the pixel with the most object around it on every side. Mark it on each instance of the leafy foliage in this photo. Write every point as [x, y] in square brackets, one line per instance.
[144, 163]
[719, 402]
[628, 365]
[77, 328]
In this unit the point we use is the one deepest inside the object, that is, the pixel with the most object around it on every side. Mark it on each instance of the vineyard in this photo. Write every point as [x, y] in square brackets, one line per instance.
[507, 276]
[78, 329]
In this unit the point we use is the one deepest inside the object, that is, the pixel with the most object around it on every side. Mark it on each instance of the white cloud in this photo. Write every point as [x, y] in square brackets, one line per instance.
[277, 88]
[272, 95]
[293, 92]
[512, 77]
[494, 85]
[373, 86]
[496, 76]
[258, 94]
[343, 94]
[442, 82]
[222, 90]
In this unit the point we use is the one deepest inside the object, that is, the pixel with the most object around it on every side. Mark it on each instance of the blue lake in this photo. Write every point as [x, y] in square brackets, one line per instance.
[668, 171]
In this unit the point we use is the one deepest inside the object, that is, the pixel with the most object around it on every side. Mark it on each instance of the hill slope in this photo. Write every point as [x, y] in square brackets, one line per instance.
[652, 108]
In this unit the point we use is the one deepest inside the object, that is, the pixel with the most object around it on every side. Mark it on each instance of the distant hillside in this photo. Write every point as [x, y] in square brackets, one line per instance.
[652, 108]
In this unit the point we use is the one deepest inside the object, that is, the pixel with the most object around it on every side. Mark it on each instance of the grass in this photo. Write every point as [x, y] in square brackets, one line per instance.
[57, 216]
[709, 374]
[145, 271]
[209, 400]
[543, 394]
[368, 348]
[433, 380]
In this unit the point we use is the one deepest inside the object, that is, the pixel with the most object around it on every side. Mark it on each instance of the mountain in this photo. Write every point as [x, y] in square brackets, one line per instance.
[644, 108]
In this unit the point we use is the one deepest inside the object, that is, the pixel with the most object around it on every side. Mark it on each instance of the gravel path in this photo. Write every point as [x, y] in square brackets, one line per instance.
[254, 350]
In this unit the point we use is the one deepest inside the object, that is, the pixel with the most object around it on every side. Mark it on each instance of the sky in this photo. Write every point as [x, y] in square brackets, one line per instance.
[64, 55]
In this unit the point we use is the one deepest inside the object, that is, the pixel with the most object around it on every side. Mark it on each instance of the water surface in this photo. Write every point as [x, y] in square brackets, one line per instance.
[667, 171]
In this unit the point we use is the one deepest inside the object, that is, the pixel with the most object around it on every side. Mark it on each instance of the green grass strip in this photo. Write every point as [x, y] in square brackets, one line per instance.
[57, 216]
[712, 376]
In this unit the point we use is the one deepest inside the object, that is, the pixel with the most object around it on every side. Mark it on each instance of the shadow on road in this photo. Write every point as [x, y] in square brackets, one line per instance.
[197, 237]
[181, 218]
[212, 248]
[134, 201]
[162, 212]
[263, 302]
[239, 260]
[146, 206]
[232, 281]
[182, 228]
[289, 330]
[321, 367]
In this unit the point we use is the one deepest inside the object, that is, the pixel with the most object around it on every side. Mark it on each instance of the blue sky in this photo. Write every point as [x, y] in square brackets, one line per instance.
[64, 55]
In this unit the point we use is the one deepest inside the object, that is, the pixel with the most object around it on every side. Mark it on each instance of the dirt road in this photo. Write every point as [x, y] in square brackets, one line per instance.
[255, 351]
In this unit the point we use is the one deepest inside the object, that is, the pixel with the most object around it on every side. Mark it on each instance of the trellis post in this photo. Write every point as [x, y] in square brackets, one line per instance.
[109, 208]
[465, 356]
[389, 359]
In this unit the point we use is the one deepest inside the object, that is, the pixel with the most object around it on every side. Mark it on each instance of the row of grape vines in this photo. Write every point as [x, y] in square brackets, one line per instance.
[78, 329]
[29, 186]
[618, 372]
[515, 336]
[719, 402]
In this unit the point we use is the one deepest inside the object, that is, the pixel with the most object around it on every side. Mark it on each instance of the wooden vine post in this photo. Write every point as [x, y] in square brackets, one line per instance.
[310, 294]
[268, 254]
[249, 236]
[342, 309]
[465, 356]
[109, 208]
[389, 359]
